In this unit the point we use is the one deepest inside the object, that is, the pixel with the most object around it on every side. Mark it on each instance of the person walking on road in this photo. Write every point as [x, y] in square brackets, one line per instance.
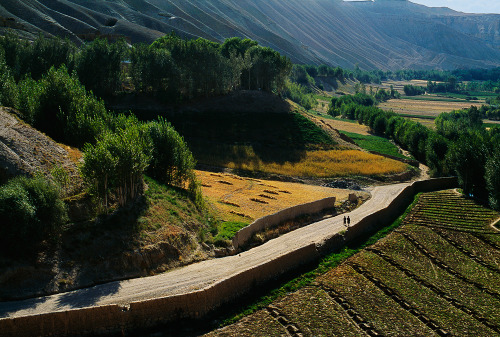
[348, 221]
[345, 220]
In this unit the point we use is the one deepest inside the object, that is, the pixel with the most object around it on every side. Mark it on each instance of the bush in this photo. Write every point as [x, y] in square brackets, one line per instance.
[31, 210]
[172, 161]
[411, 90]
[299, 94]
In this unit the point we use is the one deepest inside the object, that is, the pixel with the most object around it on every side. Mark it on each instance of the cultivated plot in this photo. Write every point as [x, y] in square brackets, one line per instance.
[437, 275]
[246, 199]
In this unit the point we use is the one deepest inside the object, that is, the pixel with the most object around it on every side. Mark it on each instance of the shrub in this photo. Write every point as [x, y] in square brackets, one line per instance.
[172, 161]
[299, 94]
[31, 210]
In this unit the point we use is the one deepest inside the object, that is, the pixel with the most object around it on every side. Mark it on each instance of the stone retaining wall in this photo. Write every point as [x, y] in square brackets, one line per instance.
[116, 319]
[245, 234]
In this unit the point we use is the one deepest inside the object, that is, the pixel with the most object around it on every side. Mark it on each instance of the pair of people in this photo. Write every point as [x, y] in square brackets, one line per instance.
[347, 221]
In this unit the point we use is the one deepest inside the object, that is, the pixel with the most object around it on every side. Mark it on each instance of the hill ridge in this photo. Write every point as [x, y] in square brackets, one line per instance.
[387, 35]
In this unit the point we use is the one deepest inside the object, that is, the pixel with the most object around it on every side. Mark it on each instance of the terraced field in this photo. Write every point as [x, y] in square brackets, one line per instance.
[437, 275]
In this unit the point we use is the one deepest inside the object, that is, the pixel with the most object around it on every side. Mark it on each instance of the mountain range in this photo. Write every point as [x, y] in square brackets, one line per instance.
[381, 34]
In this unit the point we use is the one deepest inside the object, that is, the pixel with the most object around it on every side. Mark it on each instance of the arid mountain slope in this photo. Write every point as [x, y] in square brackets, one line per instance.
[385, 34]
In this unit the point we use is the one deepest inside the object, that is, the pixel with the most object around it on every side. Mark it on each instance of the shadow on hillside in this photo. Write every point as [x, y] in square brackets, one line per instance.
[247, 137]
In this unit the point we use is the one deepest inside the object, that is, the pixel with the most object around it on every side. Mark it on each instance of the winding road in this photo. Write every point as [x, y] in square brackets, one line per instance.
[202, 274]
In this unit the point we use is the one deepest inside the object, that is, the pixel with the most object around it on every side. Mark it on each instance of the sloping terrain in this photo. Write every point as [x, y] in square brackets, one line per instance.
[386, 34]
[26, 151]
[435, 276]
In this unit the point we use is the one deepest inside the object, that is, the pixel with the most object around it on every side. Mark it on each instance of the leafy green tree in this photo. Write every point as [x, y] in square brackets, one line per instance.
[154, 70]
[58, 91]
[299, 94]
[436, 151]
[8, 89]
[493, 178]
[236, 45]
[46, 53]
[467, 158]
[29, 99]
[172, 161]
[99, 167]
[99, 66]
[118, 161]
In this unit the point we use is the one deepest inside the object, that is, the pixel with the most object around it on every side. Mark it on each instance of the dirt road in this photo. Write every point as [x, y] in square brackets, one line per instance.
[199, 275]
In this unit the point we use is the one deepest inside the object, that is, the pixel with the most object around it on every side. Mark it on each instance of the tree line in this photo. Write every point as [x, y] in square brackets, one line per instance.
[172, 67]
[460, 145]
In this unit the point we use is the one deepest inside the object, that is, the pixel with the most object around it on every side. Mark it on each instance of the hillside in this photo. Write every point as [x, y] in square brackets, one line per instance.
[388, 34]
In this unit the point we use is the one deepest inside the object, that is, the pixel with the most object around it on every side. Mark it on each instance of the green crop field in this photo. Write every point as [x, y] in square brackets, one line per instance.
[374, 143]
[436, 275]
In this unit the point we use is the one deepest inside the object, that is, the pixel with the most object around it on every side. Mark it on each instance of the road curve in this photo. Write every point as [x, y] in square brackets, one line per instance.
[202, 274]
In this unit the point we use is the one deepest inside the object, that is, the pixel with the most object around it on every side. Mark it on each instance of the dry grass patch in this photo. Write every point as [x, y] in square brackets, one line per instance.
[347, 126]
[235, 202]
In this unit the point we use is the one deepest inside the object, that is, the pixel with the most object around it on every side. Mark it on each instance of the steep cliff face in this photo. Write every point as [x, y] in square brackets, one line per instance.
[385, 34]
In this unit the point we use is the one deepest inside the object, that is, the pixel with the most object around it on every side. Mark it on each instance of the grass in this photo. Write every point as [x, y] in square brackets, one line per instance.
[322, 97]
[375, 143]
[228, 229]
[168, 211]
[418, 116]
[326, 116]
[260, 130]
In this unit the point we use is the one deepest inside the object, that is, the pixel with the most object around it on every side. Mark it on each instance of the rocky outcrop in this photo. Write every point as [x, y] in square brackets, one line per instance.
[26, 151]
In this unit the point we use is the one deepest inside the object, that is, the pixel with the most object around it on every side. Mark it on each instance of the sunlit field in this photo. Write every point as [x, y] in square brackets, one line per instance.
[319, 164]
[245, 199]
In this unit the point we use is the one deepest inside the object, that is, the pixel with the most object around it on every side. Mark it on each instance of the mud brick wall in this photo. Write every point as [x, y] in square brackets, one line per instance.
[246, 233]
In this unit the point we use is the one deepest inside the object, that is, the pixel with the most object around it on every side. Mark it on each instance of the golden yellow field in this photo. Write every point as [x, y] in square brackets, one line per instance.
[422, 107]
[246, 199]
[320, 163]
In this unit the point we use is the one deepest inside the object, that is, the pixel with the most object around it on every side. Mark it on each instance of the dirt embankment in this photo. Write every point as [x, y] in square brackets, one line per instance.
[26, 151]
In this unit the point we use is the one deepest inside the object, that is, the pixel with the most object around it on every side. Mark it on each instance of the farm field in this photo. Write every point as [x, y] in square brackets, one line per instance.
[342, 124]
[399, 85]
[246, 199]
[375, 143]
[417, 108]
[437, 275]
[276, 143]
[310, 164]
